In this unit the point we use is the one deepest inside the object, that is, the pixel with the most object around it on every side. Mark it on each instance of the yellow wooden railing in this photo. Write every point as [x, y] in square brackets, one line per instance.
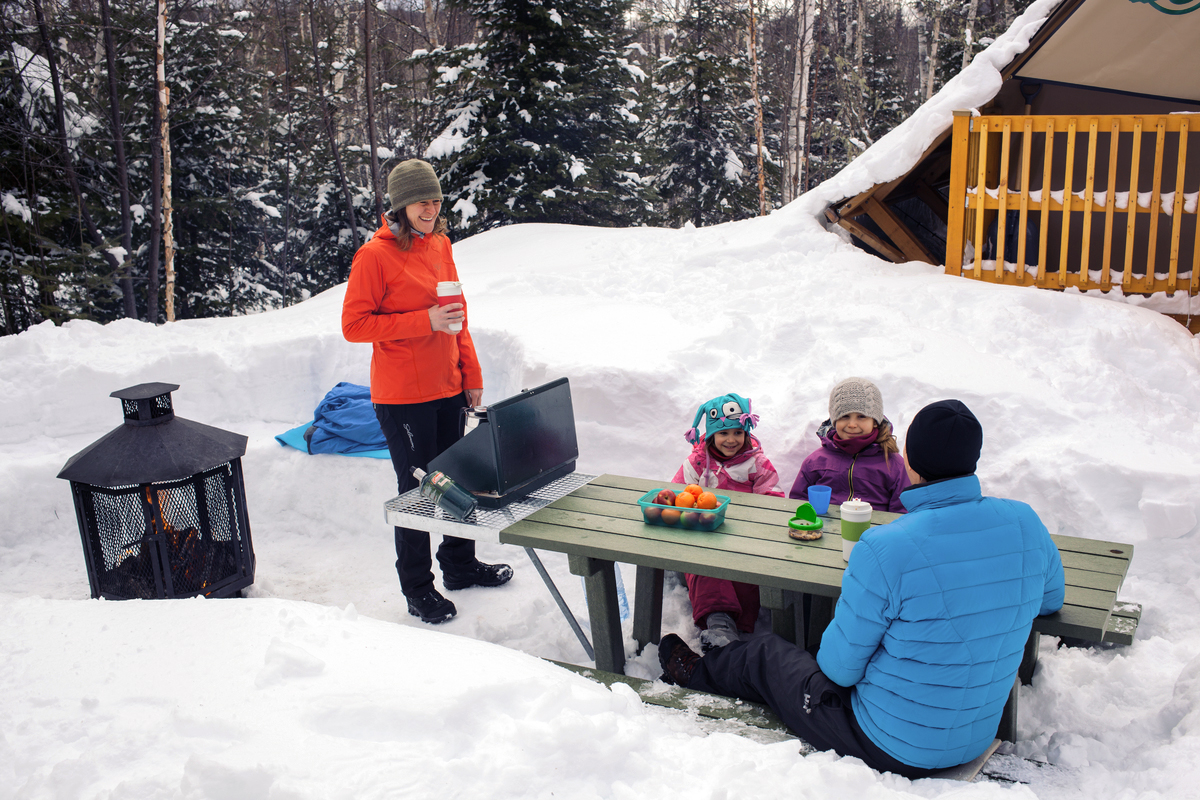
[1144, 239]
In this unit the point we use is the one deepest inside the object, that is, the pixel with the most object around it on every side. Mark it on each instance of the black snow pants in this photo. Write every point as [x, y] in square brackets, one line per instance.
[416, 433]
[771, 670]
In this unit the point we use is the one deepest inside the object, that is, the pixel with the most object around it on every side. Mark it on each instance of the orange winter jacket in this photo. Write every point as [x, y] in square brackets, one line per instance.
[387, 304]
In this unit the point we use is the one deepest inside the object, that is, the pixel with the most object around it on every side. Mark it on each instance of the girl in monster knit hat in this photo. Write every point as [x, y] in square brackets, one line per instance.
[726, 457]
[858, 456]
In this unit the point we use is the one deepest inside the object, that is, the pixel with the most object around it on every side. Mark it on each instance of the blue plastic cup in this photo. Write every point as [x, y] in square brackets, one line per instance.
[818, 496]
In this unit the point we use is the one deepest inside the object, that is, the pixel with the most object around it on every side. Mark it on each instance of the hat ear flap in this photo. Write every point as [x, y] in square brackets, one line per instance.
[749, 419]
[693, 433]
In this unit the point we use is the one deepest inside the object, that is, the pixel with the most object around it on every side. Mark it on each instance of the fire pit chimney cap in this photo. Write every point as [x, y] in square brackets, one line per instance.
[145, 391]
[147, 403]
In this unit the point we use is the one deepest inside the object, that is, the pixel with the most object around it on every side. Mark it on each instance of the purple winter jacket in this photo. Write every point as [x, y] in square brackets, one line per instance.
[866, 475]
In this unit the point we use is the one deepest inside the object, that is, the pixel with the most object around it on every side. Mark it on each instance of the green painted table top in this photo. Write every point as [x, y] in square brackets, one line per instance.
[602, 520]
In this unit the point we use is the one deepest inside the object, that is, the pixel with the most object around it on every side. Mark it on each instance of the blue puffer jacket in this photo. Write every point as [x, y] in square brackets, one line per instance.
[933, 618]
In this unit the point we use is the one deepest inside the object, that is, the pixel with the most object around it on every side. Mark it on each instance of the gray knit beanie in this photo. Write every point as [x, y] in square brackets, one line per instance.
[856, 394]
[413, 181]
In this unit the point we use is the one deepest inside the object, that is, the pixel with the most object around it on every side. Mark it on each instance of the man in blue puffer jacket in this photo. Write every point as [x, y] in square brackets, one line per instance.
[914, 671]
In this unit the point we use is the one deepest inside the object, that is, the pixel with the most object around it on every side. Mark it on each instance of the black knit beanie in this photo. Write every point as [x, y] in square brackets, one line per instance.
[943, 441]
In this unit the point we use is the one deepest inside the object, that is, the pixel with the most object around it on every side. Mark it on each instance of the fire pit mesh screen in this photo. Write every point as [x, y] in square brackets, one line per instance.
[168, 539]
[119, 525]
[159, 407]
[199, 551]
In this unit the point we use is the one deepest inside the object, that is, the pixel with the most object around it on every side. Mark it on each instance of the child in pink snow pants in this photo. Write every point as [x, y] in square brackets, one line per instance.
[725, 457]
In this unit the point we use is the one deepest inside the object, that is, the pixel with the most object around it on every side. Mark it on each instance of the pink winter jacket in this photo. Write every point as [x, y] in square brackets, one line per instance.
[748, 471]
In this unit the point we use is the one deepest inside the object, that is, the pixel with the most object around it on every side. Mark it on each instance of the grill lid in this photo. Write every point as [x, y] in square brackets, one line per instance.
[153, 445]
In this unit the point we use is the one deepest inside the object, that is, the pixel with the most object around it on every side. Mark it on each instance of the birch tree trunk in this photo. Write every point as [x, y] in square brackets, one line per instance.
[933, 53]
[969, 33]
[431, 26]
[860, 34]
[796, 134]
[758, 112]
[921, 23]
[156, 156]
[369, 80]
[168, 224]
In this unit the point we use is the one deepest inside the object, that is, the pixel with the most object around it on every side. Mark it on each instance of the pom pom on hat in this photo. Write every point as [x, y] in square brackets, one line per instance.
[413, 181]
[943, 441]
[856, 394]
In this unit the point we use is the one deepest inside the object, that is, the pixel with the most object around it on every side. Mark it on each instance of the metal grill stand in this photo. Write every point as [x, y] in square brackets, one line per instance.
[413, 510]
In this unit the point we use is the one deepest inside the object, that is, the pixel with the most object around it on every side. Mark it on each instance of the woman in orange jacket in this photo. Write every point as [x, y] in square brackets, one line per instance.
[422, 372]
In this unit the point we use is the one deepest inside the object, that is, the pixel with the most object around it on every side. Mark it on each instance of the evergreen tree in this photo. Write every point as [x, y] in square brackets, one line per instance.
[66, 273]
[539, 121]
[861, 92]
[311, 244]
[31, 192]
[993, 17]
[703, 132]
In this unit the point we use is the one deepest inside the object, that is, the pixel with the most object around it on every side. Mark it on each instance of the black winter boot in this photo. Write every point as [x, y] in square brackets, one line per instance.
[431, 607]
[476, 574]
[678, 661]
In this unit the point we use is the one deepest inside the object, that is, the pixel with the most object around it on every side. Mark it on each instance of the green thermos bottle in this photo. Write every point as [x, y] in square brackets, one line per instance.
[445, 493]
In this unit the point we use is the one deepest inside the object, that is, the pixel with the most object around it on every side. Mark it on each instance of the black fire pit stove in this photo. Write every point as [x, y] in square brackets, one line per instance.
[161, 504]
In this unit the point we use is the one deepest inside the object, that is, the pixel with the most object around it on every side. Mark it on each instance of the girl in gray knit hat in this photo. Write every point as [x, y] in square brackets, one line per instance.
[858, 456]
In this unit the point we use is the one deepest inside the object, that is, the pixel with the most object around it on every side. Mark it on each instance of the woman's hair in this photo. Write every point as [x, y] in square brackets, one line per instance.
[405, 230]
[886, 439]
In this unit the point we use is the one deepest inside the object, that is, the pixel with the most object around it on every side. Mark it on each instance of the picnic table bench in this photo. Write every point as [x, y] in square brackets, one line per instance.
[599, 524]
[751, 719]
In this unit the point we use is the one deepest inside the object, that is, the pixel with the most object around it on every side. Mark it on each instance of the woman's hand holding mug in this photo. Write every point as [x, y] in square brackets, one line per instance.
[441, 318]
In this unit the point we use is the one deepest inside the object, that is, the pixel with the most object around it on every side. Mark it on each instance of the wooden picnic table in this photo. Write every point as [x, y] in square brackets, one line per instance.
[600, 524]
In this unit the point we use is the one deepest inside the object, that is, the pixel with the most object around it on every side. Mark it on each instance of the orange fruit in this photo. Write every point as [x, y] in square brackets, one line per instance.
[685, 500]
[707, 500]
[693, 489]
[670, 516]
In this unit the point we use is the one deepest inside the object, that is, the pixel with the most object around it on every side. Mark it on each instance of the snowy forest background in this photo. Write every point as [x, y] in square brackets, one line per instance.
[285, 116]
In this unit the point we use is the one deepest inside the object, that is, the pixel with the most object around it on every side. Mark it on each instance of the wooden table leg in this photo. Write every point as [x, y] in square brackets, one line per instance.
[647, 606]
[819, 617]
[1007, 730]
[1030, 659]
[783, 610]
[600, 582]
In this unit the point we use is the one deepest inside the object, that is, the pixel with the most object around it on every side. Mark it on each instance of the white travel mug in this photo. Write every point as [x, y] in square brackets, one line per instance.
[856, 518]
[450, 292]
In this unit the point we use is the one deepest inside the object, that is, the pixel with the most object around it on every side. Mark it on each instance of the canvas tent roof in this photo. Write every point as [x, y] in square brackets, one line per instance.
[1134, 47]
